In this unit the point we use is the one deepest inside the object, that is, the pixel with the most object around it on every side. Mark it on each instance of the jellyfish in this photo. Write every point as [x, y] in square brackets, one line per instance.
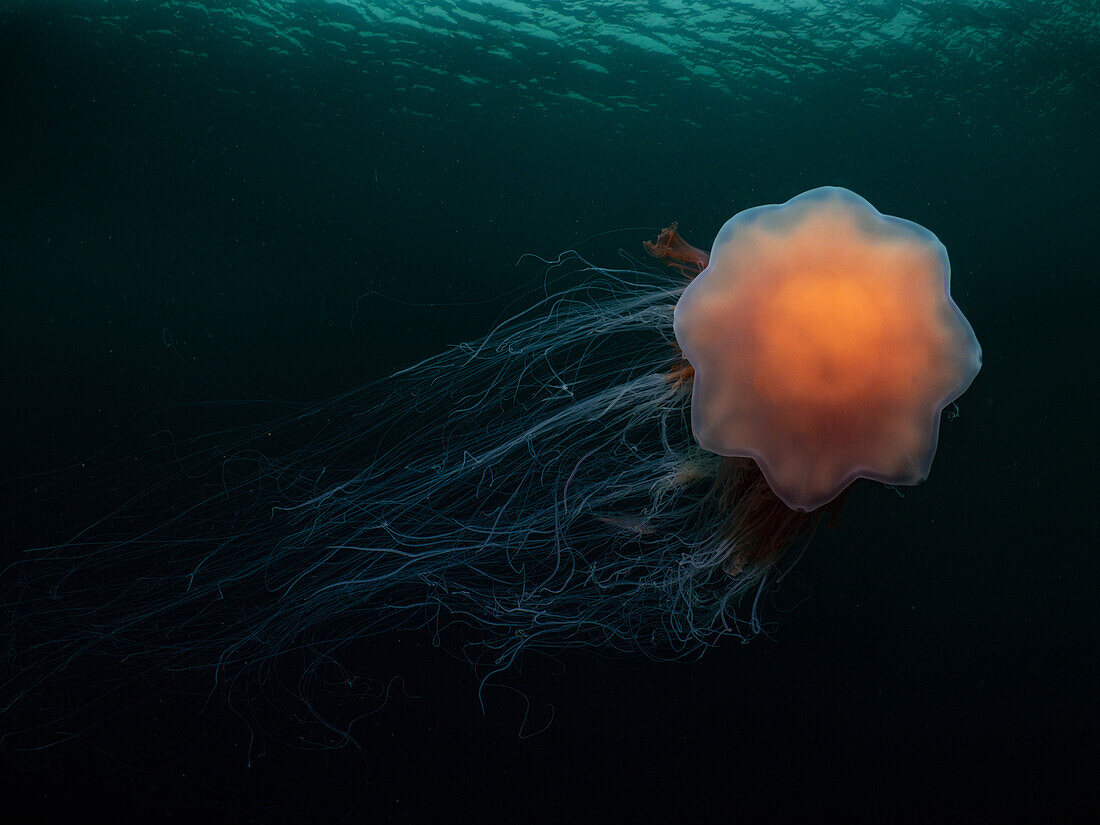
[624, 466]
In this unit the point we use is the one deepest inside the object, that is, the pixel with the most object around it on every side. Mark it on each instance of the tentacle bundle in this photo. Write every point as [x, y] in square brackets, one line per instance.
[540, 487]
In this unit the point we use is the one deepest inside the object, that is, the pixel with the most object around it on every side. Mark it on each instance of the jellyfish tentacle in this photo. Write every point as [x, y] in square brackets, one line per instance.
[671, 248]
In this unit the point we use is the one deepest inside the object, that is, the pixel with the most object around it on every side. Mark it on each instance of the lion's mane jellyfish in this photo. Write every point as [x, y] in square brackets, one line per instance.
[623, 466]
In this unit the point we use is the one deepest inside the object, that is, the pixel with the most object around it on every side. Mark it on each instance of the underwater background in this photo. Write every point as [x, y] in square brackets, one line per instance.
[210, 202]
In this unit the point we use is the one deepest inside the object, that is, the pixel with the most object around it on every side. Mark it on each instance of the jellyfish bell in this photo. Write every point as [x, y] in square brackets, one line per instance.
[824, 345]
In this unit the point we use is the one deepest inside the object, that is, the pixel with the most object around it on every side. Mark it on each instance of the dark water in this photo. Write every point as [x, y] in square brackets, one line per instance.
[230, 178]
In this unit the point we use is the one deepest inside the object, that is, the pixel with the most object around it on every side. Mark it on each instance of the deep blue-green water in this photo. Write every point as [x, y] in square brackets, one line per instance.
[281, 200]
